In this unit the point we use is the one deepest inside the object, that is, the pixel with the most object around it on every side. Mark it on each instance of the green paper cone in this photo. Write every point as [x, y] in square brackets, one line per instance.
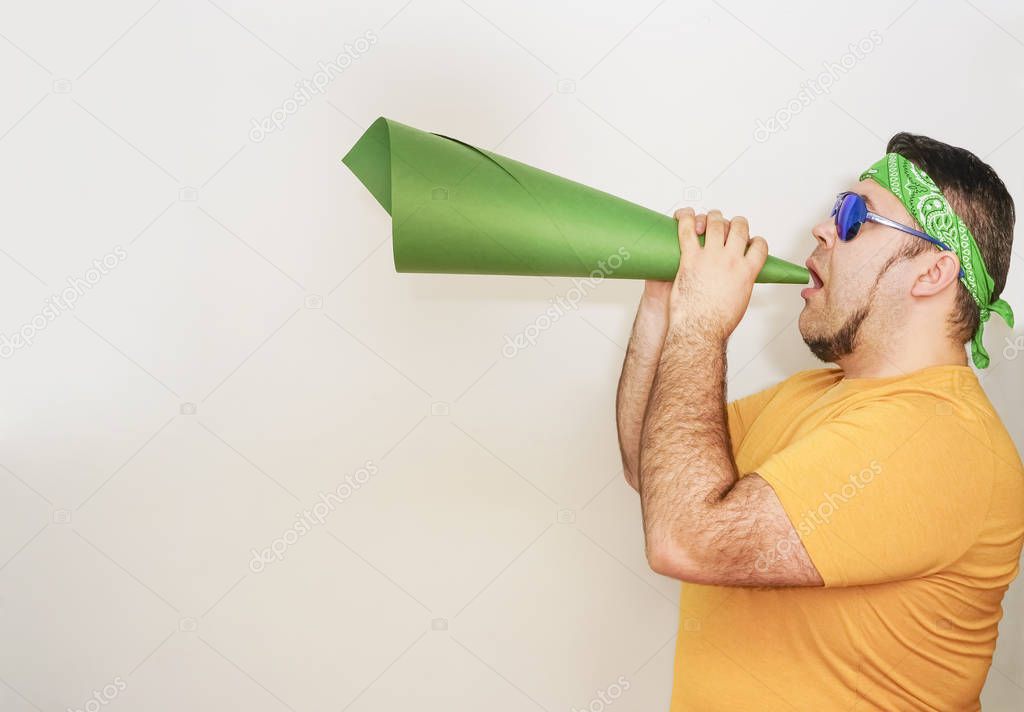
[458, 209]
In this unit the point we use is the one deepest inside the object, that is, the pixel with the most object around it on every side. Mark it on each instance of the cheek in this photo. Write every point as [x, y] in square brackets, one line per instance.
[848, 291]
[843, 288]
[846, 275]
[862, 256]
[840, 292]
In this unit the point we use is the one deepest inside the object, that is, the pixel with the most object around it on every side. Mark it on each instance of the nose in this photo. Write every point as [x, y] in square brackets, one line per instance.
[825, 233]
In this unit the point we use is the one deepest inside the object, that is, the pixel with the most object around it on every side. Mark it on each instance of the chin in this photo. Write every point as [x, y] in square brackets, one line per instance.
[807, 322]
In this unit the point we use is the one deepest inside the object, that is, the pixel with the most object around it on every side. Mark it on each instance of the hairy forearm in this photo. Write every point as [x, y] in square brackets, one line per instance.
[686, 464]
[638, 369]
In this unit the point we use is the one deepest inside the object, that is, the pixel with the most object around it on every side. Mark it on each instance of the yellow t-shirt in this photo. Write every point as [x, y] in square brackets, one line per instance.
[908, 494]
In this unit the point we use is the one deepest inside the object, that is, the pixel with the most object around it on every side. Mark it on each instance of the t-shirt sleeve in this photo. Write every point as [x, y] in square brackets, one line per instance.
[893, 489]
[741, 412]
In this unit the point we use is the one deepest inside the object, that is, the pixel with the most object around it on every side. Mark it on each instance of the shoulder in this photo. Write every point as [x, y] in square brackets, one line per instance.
[816, 374]
[985, 460]
[809, 379]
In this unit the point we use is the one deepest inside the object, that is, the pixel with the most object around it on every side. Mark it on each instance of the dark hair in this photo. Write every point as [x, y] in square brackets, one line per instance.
[978, 196]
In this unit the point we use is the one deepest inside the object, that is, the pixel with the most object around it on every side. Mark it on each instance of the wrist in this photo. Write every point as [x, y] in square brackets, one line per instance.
[649, 329]
[693, 333]
[653, 307]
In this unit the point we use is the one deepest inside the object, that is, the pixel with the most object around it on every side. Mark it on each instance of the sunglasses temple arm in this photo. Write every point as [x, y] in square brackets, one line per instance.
[917, 233]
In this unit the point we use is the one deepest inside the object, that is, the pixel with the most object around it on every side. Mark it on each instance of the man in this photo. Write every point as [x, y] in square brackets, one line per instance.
[845, 536]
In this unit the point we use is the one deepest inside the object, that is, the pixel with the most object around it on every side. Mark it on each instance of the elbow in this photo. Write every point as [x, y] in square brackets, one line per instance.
[630, 476]
[669, 558]
[688, 562]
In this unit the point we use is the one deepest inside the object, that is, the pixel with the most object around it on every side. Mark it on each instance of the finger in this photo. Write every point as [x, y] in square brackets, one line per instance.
[739, 235]
[701, 223]
[687, 232]
[757, 253]
[717, 228]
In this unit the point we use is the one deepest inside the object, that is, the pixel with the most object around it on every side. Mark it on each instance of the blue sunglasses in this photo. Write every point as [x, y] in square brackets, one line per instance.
[851, 212]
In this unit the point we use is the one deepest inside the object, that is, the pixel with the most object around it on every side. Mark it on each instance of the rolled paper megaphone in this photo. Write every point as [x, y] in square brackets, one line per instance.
[458, 209]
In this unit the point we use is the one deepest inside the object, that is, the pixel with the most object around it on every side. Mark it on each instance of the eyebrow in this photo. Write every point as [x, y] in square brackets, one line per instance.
[867, 201]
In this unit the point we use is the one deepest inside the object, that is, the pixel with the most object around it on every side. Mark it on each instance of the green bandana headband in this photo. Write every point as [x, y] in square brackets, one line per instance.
[925, 202]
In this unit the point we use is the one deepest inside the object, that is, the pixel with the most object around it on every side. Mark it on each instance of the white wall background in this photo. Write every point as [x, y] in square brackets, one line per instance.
[253, 346]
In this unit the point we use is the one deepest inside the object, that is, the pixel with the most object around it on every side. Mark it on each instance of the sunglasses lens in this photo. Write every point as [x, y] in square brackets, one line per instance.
[850, 216]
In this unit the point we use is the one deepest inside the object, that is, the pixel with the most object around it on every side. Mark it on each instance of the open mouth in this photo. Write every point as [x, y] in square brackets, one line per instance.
[816, 281]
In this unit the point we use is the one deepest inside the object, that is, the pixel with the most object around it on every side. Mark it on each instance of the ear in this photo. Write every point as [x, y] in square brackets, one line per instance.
[942, 269]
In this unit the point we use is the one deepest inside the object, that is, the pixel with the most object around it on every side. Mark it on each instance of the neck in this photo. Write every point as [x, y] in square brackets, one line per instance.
[902, 339]
[901, 359]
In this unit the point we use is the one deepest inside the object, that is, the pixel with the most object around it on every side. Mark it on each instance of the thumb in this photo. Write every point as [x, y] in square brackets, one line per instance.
[757, 252]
